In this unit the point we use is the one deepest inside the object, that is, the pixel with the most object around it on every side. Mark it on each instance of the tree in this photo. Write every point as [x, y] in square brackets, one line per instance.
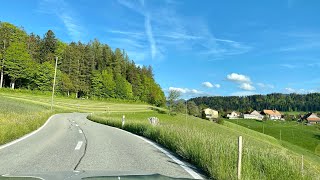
[17, 61]
[92, 69]
[193, 108]
[172, 97]
[66, 84]
[8, 34]
[48, 47]
[108, 83]
[180, 107]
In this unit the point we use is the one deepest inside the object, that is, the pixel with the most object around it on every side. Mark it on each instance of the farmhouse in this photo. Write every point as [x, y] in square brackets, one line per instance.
[233, 115]
[253, 115]
[210, 113]
[271, 114]
[312, 118]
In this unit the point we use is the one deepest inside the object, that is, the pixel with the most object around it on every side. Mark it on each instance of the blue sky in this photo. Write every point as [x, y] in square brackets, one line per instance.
[196, 47]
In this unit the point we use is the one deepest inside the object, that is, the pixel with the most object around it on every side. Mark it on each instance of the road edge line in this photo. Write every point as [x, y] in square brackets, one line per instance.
[181, 164]
[27, 135]
[194, 174]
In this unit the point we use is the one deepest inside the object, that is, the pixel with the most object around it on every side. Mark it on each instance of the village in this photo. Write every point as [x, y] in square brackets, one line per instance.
[266, 114]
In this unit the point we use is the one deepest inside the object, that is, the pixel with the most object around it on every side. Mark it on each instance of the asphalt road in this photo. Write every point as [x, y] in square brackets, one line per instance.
[71, 143]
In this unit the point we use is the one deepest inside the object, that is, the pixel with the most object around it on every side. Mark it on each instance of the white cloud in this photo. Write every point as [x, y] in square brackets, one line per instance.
[243, 93]
[247, 87]
[239, 78]
[186, 90]
[265, 86]
[209, 85]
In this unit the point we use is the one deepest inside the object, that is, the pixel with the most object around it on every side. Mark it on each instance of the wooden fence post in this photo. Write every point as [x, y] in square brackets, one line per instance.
[302, 165]
[239, 156]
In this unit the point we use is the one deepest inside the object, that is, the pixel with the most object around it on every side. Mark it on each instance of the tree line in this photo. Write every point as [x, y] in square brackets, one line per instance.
[91, 69]
[282, 102]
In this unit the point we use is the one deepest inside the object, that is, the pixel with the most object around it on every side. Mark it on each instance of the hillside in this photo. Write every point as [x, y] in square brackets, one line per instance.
[90, 70]
[281, 102]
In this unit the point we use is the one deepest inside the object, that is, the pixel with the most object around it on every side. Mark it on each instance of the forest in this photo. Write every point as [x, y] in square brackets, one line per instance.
[282, 102]
[92, 69]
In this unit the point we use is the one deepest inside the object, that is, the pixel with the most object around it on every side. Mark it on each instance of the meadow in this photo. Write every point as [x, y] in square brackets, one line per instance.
[213, 147]
[307, 137]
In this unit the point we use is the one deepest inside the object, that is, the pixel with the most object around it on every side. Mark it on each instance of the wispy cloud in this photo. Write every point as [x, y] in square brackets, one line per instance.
[299, 91]
[187, 93]
[65, 13]
[243, 93]
[149, 33]
[265, 86]
[165, 28]
[290, 66]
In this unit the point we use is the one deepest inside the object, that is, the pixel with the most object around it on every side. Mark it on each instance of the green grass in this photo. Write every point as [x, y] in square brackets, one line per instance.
[213, 147]
[307, 137]
[18, 118]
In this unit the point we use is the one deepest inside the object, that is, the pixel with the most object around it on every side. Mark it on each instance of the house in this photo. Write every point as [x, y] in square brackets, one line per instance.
[271, 114]
[234, 115]
[210, 113]
[312, 118]
[253, 115]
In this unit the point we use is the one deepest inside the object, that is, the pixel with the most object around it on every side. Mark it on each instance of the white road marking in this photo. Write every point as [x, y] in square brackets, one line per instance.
[78, 145]
[26, 136]
[80, 131]
[33, 177]
[182, 164]
[77, 125]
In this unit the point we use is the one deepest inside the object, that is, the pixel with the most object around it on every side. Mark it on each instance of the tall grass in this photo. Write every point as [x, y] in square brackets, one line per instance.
[18, 118]
[213, 147]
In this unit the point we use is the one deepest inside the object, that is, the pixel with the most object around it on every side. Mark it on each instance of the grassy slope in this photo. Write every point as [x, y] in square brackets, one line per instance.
[307, 137]
[19, 118]
[213, 147]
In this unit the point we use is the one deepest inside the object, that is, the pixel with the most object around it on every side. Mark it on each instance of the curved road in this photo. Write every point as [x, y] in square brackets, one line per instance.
[71, 143]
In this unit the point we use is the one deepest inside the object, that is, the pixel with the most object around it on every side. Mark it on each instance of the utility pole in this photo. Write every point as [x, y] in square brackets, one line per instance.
[54, 82]
[2, 66]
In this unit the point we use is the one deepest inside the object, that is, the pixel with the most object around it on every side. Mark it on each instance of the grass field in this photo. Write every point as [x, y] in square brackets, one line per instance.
[213, 147]
[307, 137]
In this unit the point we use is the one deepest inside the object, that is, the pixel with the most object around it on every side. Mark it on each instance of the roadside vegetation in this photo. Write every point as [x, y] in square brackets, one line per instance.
[18, 118]
[213, 147]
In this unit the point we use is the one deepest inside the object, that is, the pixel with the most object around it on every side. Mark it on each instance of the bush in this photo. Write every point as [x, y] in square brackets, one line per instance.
[219, 120]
